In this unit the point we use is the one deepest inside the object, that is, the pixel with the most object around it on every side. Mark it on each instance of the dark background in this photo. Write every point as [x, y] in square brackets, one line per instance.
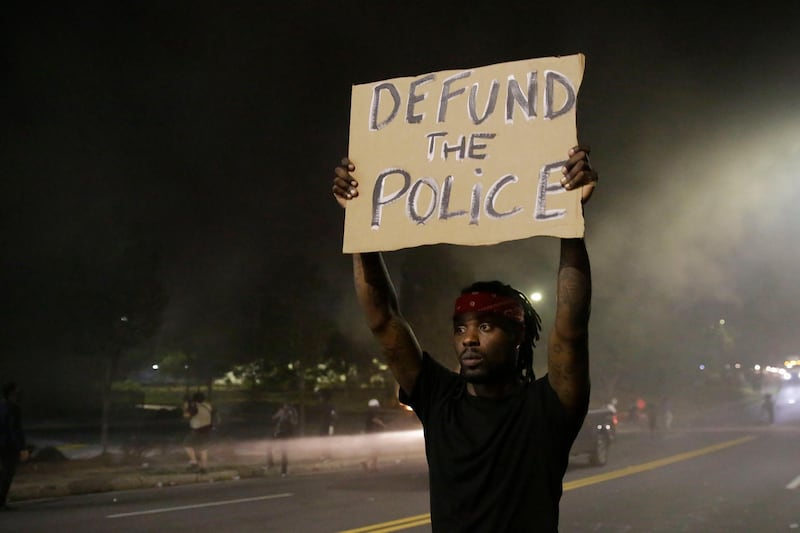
[176, 158]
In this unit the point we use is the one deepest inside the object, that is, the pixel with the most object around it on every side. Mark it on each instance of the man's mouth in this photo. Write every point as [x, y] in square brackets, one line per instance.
[470, 359]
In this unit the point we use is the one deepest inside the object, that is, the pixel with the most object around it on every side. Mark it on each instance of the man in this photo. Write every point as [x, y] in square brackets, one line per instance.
[285, 425]
[373, 423]
[12, 441]
[201, 424]
[497, 440]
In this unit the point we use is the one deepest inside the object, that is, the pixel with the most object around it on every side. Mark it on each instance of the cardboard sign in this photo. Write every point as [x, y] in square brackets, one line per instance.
[470, 157]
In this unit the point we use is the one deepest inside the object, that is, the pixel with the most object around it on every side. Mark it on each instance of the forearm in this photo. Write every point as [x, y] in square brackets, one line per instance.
[568, 345]
[574, 289]
[378, 300]
[374, 288]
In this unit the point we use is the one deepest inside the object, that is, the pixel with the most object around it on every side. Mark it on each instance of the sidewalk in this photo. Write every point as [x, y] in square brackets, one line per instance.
[228, 461]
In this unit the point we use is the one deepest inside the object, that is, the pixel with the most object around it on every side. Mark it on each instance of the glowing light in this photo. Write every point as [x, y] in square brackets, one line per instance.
[536, 296]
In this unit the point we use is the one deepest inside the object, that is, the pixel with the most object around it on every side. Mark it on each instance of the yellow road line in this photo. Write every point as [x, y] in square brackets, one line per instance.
[423, 519]
[408, 525]
[652, 465]
[394, 525]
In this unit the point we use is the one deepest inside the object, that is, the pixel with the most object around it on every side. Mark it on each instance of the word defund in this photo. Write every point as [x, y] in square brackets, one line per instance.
[453, 87]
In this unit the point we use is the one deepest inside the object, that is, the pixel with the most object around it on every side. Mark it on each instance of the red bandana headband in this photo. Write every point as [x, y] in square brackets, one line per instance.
[488, 302]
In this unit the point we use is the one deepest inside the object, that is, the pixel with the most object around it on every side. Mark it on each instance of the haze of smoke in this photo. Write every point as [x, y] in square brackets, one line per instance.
[390, 445]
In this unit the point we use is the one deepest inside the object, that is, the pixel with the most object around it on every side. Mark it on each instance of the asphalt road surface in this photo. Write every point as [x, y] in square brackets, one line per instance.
[727, 477]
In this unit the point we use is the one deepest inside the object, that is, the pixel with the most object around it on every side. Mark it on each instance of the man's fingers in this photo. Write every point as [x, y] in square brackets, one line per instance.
[578, 170]
[343, 172]
[344, 185]
[580, 148]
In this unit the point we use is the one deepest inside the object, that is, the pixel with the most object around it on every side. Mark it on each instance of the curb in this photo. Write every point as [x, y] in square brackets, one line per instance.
[99, 482]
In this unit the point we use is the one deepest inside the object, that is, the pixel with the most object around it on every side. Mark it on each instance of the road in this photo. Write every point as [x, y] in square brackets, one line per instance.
[731, 477]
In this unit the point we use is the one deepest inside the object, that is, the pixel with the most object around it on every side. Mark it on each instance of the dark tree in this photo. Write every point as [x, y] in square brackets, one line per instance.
[115, 300]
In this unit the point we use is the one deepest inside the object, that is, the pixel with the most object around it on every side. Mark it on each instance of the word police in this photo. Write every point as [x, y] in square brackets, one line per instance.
[439, 198]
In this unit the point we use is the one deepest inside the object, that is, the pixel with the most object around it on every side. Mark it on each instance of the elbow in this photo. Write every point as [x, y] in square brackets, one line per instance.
[575, 333]
[379, 323]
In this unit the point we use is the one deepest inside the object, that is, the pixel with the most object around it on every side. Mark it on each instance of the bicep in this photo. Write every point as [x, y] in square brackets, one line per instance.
[401, 351]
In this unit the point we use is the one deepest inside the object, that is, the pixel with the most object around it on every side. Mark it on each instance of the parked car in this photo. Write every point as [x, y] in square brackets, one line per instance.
[598, 432]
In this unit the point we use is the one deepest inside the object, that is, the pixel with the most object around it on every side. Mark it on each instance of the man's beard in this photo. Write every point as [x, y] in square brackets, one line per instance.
[490, 374]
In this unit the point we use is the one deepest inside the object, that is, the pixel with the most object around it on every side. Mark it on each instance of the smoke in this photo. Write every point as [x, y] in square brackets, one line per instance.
[388, 445]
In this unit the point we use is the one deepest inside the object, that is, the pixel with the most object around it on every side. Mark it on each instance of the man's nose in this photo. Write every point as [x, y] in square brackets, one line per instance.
[470, 337]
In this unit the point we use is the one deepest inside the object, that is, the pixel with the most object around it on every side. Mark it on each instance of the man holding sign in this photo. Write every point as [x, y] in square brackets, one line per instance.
[497, 439]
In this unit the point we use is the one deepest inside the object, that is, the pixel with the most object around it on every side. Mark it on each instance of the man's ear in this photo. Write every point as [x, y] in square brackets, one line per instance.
[519, 336]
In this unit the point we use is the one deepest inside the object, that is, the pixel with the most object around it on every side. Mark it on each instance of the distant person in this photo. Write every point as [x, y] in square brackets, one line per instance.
[652, 417]
[200, 414]
[373, 423]
[285, 428]
[12, 441]
[612, 405]
[768, 408]
[327, 423]
[666, 413]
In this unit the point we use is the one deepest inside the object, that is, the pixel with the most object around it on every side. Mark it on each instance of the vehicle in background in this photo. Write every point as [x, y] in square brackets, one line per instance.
[598, 432]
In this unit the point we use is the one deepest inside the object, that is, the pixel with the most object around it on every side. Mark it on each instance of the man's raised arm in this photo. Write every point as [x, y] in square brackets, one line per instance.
[568, 346]
[378, 298]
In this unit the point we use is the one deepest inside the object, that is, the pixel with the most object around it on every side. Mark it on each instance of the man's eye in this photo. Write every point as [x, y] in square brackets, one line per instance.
[486, 326]
[459, 329]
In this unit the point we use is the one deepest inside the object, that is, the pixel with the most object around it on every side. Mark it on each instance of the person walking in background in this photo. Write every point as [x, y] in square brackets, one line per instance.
[12, 441]
[768, 408]
[327, 423]
[285, 428]
[652, 417]
[373, 423]
[200, 415]
[666, 412]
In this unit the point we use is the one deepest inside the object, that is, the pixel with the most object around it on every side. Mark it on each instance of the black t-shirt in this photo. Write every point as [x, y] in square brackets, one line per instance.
[494, 465]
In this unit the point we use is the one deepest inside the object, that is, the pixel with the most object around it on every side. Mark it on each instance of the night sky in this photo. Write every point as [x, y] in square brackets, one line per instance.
[212, 128]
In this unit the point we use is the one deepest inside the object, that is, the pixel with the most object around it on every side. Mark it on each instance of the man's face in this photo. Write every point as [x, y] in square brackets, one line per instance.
[486, 347]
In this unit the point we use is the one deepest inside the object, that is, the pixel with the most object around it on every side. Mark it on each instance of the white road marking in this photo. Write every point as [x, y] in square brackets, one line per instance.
[201, 505]
[794, 484]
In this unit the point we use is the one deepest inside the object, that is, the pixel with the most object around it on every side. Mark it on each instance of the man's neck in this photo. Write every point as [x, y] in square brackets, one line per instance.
[493, 391]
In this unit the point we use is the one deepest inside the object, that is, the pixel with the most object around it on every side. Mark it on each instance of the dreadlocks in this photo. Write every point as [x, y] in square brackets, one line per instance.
[532, 322]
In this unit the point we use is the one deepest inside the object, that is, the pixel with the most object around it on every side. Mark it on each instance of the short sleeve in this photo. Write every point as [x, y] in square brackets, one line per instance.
[433, 383]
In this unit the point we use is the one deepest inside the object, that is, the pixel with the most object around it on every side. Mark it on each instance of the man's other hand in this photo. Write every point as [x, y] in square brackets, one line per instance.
[345, 186]
[578, 172]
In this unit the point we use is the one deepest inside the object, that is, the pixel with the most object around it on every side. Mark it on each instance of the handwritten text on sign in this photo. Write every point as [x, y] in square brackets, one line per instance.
[465, 157]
